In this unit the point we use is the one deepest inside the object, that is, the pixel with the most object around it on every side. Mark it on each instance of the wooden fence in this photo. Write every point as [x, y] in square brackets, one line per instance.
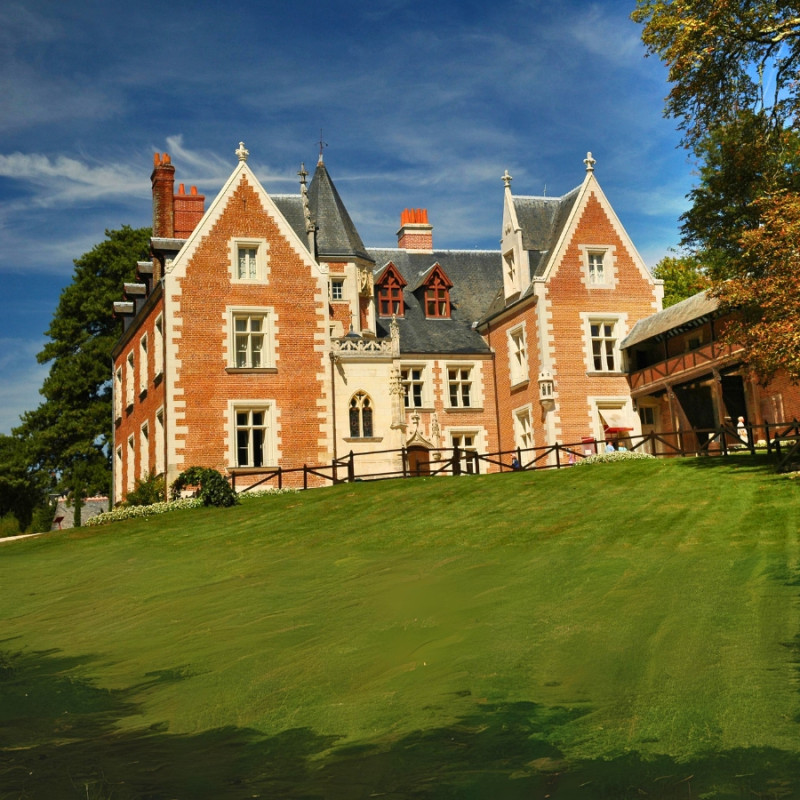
[780, 440]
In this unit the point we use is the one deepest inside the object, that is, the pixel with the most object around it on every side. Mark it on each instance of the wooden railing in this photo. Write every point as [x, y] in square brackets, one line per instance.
[676, 367]
[781, 440]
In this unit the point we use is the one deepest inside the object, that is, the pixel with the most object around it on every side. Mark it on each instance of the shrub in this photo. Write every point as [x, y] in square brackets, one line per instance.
[617, 455]
[148, 490]
[214, 488]
[139, 512]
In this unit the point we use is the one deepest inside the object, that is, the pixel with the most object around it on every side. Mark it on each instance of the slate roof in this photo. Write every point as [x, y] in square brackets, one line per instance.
[542, 220]
[476, 275]
[686, 314]
[291, 206]
[336, 234]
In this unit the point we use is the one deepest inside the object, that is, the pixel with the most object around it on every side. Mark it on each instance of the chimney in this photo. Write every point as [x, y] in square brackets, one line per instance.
[415, 232]
[188, 211]
[163, 180]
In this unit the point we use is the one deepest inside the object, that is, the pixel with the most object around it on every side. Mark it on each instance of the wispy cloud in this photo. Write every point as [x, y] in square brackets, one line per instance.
[22, 378]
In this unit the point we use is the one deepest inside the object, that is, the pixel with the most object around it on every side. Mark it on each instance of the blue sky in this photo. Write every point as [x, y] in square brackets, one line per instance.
[422, 104]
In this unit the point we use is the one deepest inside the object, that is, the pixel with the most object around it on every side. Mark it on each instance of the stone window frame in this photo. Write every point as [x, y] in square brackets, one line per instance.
[261, 247]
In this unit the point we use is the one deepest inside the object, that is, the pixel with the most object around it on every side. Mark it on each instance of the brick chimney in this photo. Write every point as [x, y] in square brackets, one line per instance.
[188, 211]
[163, 180]
[415, 232]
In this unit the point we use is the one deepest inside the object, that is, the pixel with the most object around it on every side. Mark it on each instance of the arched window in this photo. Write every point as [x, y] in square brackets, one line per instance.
[437, 298]
[360, 416]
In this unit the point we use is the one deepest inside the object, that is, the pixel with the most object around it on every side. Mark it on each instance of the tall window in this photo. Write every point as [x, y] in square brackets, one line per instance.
[118, 475]
[459, 383]
[144, 450]
[437, 298]
[390, 296]
[118, 393]
[413, 384]
[523, 431]
[597, 272]
[465, 442]
[249, 340]
[247, 268]
[360, 416]
[518, 355]
[158, 347]
[143, 364]
[337, 289]
[251, 436]
[159, 444]
[604, 345]
[131, 474]
[129, 378]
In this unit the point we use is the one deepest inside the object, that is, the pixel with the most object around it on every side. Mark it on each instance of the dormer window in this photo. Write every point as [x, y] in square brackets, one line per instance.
[390, 285]
[436, 286]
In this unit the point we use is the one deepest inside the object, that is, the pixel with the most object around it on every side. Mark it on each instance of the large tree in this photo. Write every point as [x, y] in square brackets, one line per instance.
[683, 276]
[67, 436]
[734, 68]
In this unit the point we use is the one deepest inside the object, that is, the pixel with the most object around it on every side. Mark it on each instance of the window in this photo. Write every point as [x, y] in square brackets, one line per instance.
[131, 464]
[360, 416]
[337, 288]
[118, 393]
[247, 268]
[647, 414]
[158, 354]
[459, 382]
[159, 444]
[248, 259]
[523, 430]
[511, 268]
[596, 269]
[604, 345]
[413, 384]
[465, 442]
[437, 297]
[517, 355]
[390, 297]
[129, 377]
[144, 450]
[251, 338]
[143, 364]
[118, 476]
[251, 436]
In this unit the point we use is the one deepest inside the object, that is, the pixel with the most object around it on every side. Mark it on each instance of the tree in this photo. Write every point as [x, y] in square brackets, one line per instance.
[68, 435]
[21, 490]
[733, 66]
[683, 277]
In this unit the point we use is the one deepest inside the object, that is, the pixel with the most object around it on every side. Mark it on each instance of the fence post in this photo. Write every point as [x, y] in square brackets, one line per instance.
[404, 461]
[477, 462]
[305, 476]
[766, 436]
[351, 468]
[280, 478]
[334, 473]
[456, 461]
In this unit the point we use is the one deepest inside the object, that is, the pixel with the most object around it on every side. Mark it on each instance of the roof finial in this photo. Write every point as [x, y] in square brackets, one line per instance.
[590, 162]
[321, 145]
[242, 152]
[303, 173]
[507, 179]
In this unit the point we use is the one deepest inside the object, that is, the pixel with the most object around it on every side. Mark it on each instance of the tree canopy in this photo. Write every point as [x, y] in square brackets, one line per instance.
[67, 436]
[733, 68]
[683, 277]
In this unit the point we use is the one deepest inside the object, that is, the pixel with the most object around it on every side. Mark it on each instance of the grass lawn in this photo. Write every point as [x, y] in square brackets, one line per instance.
[621, 630]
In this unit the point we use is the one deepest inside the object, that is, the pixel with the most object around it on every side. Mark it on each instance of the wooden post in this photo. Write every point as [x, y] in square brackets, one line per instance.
[558, 456]
[351, 468]
[305, 476]
[456, 461]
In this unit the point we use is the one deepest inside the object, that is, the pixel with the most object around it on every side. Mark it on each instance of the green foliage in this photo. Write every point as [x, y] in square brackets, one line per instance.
[9, 526]
[21, 489]
[43, 516]
[68, 434]
[733, 66]
[148, 490]
[683, 277]
[214, 489]
[140, 512]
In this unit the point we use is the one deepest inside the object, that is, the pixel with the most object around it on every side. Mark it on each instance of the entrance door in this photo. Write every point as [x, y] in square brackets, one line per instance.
[419, 461]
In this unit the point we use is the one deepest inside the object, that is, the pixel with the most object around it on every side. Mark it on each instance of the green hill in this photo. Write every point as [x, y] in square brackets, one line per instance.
[610, 631]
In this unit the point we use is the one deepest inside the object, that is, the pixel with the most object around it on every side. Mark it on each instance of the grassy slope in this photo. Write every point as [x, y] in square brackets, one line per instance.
[592, 633]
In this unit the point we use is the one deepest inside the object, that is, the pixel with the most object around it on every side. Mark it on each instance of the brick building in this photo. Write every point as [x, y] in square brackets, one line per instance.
[264, 333]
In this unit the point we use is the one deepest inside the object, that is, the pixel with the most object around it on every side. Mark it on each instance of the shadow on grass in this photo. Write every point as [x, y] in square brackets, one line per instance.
[58, 739]
[743, 461]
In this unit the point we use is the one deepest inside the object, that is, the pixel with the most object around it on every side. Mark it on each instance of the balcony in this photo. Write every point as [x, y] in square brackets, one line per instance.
[683, 367]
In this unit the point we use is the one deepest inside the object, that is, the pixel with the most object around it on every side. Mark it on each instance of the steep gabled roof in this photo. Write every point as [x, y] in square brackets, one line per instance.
[475, 275]
[542, 219]
[337, 236]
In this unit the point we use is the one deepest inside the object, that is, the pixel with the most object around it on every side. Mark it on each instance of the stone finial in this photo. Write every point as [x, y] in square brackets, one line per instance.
[303, 173]
[590, 162]
[242, 152]
[507, 179]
